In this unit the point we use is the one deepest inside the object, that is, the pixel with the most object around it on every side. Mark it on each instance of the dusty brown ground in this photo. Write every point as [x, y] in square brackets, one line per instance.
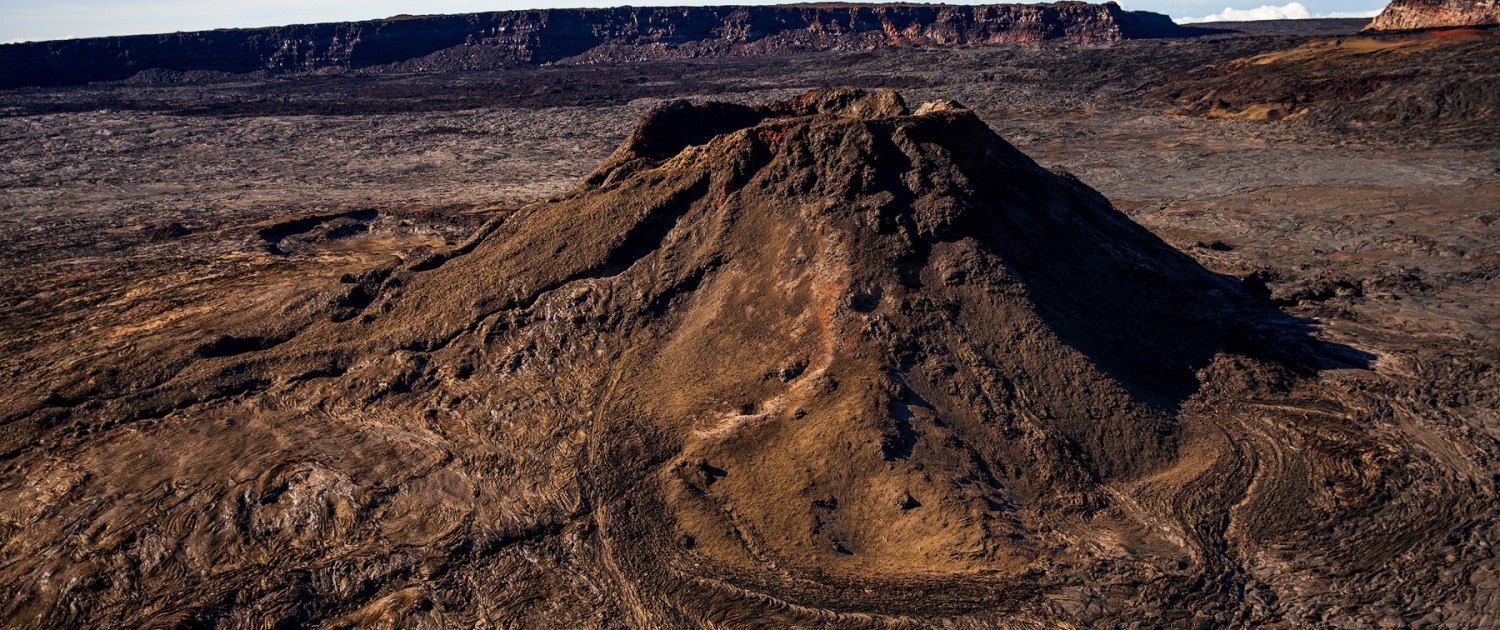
[145, 216]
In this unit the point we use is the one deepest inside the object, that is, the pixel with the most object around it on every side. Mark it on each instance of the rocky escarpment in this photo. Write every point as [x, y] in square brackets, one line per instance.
[1409, 15]
[542, 36]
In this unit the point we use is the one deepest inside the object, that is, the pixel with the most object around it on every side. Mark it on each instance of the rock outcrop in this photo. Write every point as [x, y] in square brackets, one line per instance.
[545, 36]
[1410, 15]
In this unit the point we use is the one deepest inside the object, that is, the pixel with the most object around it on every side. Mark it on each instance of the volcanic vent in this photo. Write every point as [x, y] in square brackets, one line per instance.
[826, 361]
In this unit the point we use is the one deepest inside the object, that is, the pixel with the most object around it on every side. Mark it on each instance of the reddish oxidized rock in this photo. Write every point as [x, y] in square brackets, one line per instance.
[1408, 15]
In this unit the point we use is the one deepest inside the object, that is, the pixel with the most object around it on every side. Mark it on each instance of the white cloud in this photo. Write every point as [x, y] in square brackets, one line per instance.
[1289, 11]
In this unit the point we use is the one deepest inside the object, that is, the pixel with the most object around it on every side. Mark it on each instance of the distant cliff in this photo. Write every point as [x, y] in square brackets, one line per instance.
[543, 36]
[1408, 15]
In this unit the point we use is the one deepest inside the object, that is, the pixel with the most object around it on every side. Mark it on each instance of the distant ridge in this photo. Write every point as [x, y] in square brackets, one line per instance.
[512, 38]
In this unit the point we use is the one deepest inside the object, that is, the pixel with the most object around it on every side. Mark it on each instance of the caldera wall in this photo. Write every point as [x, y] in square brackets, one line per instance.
[543, 36]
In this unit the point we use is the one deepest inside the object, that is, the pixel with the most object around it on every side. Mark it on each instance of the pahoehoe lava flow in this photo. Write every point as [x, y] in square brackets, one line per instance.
[825, 362]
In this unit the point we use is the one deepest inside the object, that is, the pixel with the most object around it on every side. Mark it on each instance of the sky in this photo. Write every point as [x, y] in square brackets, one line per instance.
[24, 20]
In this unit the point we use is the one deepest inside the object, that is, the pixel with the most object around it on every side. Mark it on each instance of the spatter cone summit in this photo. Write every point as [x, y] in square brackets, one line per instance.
[826, 362]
